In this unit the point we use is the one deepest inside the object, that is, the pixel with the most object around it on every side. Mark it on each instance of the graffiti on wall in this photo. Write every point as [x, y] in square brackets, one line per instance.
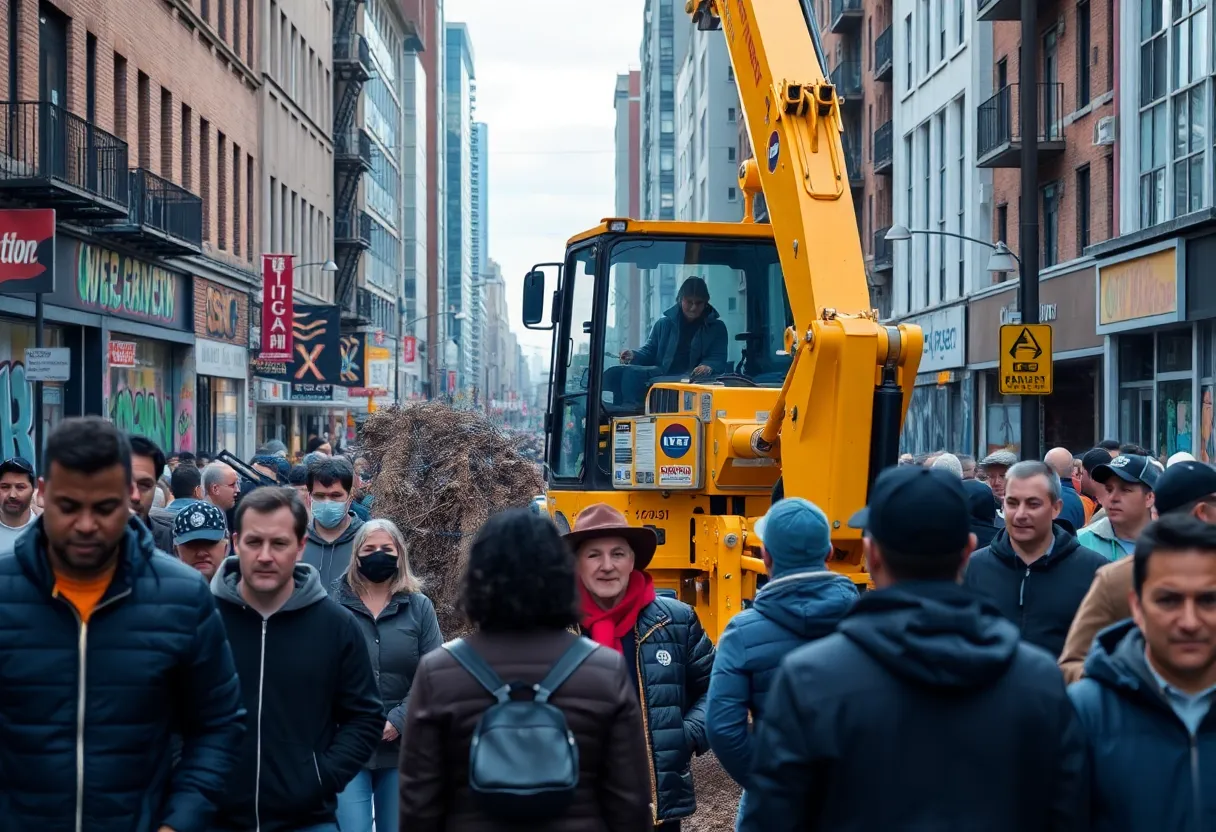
[144, 412]
[185, 411]
[17, 420]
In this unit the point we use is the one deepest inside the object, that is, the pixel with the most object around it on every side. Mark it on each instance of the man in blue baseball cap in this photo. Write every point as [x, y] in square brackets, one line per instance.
[922, 684]
[803, 601]
[200, 536]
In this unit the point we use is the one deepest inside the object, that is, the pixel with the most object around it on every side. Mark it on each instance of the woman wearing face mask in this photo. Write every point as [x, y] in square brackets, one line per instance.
[400, 626]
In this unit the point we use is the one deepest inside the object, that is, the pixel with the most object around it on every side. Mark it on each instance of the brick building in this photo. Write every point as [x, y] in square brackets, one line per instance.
[138, 123]
[1076, 198]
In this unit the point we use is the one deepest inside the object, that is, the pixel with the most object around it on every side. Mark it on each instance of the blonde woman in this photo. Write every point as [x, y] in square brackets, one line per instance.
[399, 626]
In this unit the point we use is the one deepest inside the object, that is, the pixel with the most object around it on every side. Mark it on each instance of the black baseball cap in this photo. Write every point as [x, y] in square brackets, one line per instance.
[17, 465]
[920, 511]
[199, 520]
[1129, 468]
[1094, 458]
[1182, 484]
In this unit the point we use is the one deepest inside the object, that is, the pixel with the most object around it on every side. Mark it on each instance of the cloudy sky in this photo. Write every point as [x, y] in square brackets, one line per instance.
[546, 72]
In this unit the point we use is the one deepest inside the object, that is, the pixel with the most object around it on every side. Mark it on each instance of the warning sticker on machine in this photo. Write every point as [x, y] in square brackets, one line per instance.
[643, 452]
[622, 454]
[675, 475]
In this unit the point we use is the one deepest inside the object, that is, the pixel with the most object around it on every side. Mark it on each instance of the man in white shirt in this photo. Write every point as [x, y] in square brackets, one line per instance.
[16, 497]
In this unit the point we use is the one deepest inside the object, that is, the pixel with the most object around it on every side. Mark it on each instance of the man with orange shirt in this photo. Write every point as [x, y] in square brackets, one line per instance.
[107, 649]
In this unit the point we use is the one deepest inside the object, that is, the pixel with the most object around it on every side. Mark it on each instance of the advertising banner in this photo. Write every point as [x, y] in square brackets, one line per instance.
[277, 310]
[351, 347]
[409, 349]
[317, 362]
[122, 353]
[27, 250]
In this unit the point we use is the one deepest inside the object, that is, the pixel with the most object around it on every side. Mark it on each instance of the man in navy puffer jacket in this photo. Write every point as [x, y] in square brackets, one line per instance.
[107, 648]
[803, 601]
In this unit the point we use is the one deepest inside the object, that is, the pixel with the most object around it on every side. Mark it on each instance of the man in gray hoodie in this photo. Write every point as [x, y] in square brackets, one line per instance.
[332, 529]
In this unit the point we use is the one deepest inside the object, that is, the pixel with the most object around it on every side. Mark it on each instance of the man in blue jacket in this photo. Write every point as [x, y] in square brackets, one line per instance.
[1145, 703]
[803, 601]
[107, 649]
[924, 710]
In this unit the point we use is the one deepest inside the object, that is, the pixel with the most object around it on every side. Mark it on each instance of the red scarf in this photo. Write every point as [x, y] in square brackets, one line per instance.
[606, 627]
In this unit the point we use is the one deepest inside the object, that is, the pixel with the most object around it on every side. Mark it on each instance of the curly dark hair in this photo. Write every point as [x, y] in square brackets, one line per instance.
[520, 576]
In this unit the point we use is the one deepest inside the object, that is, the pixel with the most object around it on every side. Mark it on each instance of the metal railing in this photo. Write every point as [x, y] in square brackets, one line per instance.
[846, 77]
[882, 251]
[883, 147]
[883, 53]
[354, 144]
[356, 229]
[852, 158]
[161, 205]
[999, 118]
[43, 141]
[841, 8]
[351, 48]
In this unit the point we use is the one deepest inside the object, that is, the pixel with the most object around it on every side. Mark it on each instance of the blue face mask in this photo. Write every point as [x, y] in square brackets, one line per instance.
[328, 514]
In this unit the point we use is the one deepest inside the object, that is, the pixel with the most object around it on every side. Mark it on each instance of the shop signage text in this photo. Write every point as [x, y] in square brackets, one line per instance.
[277, 312]
[27, 250]
[1026, 360]
[1143, 287]
[122, 353]
[48, 363]
[317, 364]
[221, 318]
[215, 358]
[945, 339]
[120, 285]
[1011, 315]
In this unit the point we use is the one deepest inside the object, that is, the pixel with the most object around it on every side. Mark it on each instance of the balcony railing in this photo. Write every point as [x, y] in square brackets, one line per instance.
[883, 55]
[846, 77]
[162, 217]
[354, 232]
[999, 134]
[883, 258]
[353, 148]
[882, 148]
[352, 57]
[846, 15]
[55, 157]
[852, 161]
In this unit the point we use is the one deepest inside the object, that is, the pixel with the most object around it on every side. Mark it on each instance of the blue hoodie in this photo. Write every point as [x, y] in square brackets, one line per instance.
[790, 611]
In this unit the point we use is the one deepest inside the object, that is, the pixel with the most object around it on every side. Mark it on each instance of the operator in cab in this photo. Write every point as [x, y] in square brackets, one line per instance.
[690, 340]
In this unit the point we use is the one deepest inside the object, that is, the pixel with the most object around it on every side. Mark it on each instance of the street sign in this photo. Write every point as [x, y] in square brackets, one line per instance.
[1026, 368]
[48, 364]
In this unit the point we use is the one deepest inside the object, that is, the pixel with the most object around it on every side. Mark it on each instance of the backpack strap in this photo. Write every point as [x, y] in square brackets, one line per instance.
[574, 656]
[478, 669]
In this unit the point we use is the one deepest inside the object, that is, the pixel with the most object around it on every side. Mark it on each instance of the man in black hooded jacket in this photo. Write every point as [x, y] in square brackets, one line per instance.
[924, 710]
[1034, 571]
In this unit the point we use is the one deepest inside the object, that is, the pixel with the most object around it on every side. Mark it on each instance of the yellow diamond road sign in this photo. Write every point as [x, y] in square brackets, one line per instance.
[1026, 360]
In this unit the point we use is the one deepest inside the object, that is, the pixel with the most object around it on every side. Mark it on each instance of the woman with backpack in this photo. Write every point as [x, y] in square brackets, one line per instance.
[667, 652]
[559, 742]
[399, 626]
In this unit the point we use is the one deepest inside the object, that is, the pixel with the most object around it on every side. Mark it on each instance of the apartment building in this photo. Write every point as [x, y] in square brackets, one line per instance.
[137, 124]
[1157, 301]
[416, 145]
[479, 240]
[460, 85]
[438, 324]
[664, 39]
[1075, 202]
[628, 328]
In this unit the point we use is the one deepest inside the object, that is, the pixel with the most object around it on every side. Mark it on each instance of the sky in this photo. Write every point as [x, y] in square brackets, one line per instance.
[546, 73]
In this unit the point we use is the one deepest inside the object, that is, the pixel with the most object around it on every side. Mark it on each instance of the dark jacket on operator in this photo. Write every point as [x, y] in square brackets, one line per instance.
[406, 630]
[1042, 598]
[314, 712]
[924, 710]
[673, 656]
[1150, 772]
[708, 345]
[600, 707]
[157, 663]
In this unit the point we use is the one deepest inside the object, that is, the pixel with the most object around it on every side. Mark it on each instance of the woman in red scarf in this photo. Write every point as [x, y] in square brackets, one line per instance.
[668, 655]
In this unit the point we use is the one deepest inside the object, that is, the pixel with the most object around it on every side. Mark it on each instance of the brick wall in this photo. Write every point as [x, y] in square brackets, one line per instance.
[213, 313]
[1079, 126]
[185, 62]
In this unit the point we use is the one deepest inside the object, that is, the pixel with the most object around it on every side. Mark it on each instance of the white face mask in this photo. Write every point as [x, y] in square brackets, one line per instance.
[328, 513]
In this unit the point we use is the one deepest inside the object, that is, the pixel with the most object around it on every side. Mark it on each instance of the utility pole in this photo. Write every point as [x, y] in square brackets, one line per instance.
[1029, 205]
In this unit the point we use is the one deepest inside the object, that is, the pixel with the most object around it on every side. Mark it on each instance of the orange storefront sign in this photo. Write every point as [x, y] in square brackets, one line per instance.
[1140, 288]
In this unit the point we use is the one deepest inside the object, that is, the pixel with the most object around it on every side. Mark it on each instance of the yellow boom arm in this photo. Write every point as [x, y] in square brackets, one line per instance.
[847, 368]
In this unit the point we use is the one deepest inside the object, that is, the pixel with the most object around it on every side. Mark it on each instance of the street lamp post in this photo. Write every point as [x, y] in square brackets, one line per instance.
[458, 316]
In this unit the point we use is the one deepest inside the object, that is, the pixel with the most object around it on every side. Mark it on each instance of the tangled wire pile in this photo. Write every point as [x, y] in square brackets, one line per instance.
[440, 473]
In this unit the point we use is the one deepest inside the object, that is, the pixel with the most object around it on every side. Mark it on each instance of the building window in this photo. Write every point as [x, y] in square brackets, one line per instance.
[1190, 127]
[1002, 223]
[961, 117]
[960, 12]
[928, 41]
[731, 194]
[1154, 137]
[204, 157]
[730, 114]
[1083, 47]
[1082, 209]
[221, 190]
[908, 53]
[667, 125]
[666, 160]
[927, 144]
[941, 30]
[731, 154]
[1051, 224]
[1110, 203]
[909, 218]
[941, 203]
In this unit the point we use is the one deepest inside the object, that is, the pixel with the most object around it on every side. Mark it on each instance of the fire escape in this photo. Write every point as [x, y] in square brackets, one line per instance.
[352, 152]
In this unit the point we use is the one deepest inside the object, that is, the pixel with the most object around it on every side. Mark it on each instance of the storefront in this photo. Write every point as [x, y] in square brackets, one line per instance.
[1152, 352]
[295, 422]
[1071, 415]
[939, 416]
[17, 419]
[221, 356]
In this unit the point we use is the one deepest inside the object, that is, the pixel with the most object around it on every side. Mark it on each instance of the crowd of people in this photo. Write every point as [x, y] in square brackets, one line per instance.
[277, 665]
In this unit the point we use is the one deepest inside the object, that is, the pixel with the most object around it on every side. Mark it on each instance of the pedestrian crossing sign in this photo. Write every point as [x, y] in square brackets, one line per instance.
[1026, 362]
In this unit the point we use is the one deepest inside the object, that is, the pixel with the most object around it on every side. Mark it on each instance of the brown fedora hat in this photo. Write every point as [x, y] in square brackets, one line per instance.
[602, 520]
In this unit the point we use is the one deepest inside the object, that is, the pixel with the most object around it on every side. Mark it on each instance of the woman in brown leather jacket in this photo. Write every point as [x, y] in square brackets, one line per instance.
[521, 594]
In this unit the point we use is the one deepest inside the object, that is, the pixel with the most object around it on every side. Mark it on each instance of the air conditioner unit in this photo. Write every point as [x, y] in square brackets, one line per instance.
[1104, 131]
